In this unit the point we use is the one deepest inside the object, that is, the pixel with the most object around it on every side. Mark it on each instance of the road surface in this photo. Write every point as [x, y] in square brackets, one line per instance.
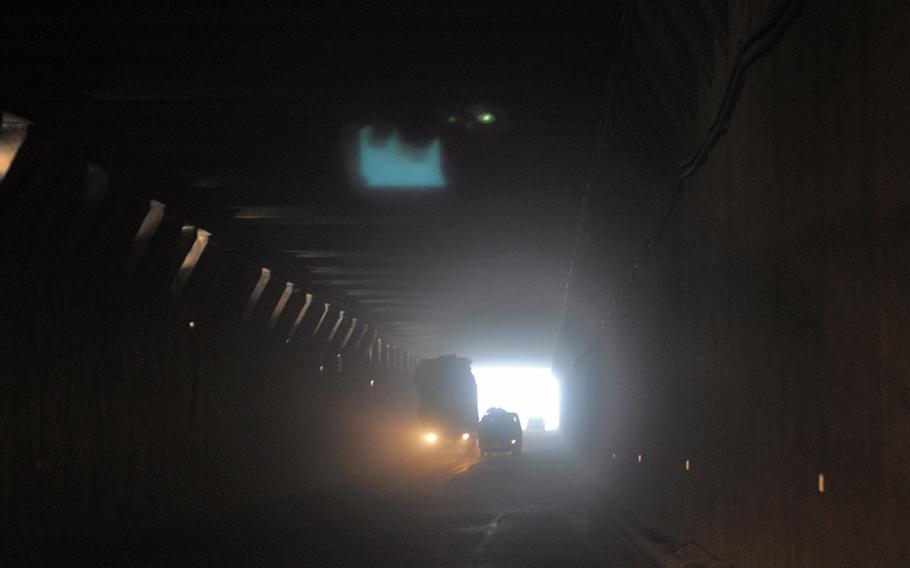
[447, 511]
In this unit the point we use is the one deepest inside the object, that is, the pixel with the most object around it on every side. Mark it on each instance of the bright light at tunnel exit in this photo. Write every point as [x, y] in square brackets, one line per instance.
[529, 391]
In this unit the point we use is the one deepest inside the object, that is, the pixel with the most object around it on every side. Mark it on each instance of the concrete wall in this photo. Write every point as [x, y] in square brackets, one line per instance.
[765, 339]
[115, 410]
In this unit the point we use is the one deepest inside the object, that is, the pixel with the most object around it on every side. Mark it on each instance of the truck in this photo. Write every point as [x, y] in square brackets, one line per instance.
[447, 402]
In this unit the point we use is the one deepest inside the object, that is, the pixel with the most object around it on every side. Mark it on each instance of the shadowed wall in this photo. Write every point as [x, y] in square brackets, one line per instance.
[763, 338]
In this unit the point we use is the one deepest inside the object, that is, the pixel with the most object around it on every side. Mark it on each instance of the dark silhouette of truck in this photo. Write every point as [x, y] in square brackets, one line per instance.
[447, 395]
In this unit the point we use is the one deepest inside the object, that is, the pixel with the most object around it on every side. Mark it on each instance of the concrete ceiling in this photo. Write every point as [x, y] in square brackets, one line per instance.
[241, 121]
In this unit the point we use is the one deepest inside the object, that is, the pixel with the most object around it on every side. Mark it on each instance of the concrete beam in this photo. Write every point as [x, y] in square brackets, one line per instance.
[264, 275]
[363, 334]
[282, 302]
[347, 336]
[308, 301]
[191, 259]
[325, 311]
[298, 216]
[144, 235]
[336, 326]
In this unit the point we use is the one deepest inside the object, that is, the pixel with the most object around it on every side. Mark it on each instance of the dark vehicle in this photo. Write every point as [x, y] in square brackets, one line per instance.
[447, 394]
[500, 431]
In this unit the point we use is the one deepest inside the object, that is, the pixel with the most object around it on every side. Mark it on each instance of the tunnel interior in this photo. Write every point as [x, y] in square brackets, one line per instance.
[671, 236]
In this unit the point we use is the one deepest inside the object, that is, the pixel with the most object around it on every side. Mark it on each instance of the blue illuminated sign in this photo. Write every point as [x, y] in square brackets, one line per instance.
[393, 163]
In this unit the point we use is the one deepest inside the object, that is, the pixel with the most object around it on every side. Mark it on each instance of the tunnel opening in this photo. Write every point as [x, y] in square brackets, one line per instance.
[532, 392]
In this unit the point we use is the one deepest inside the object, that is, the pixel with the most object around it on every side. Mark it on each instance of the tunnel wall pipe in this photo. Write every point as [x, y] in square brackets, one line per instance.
[123, 401]
[757, 342]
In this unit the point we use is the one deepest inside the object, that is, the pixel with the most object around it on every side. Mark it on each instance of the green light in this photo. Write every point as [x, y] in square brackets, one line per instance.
[452, 119]
[486, 117]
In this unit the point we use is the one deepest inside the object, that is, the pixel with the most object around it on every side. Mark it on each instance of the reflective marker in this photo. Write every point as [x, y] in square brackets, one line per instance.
[821, 482]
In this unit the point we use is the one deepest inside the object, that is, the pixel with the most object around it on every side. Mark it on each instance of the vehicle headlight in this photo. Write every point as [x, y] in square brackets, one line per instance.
[465, 436]
[514, 441]
[431, 438]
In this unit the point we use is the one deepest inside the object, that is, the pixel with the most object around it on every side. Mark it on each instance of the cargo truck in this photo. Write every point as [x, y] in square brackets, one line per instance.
[447, 402]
